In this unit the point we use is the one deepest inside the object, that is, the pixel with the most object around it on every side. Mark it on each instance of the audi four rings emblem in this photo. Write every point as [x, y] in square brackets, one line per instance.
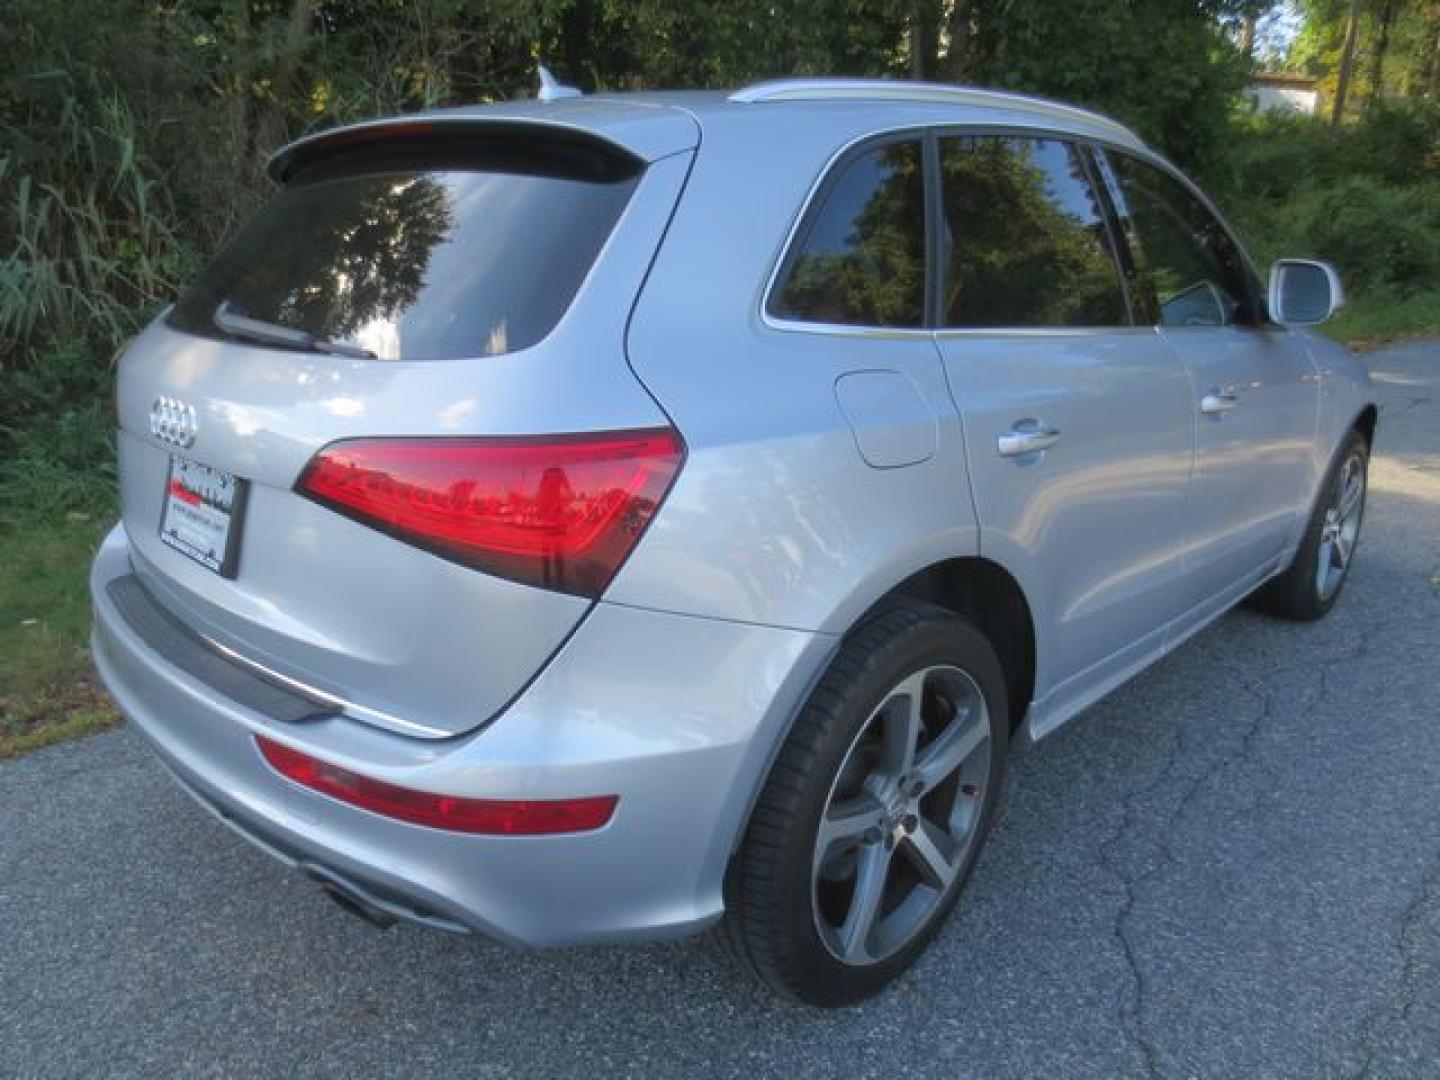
[173, 421]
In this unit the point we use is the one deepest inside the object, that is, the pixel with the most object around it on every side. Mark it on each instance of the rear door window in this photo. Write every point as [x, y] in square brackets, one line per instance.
[428, 263]
[860, 257]
[1026, 239]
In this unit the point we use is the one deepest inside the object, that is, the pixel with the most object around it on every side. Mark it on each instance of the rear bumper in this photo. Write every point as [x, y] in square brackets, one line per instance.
[677, 715]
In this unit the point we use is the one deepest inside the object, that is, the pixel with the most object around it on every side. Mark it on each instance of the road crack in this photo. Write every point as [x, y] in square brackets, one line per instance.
[1404, 995]
[1132, 1011]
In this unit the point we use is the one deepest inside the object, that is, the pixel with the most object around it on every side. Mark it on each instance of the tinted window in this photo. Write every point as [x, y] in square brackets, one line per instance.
[417, 265]
[861, 258]
[1027, 240]
[1187, 259]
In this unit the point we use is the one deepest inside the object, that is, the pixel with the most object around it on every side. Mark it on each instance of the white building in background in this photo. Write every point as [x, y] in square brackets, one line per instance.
[1273, 91]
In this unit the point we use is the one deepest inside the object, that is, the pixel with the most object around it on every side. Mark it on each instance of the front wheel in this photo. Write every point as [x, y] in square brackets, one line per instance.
[1311, 585]
[875, 810]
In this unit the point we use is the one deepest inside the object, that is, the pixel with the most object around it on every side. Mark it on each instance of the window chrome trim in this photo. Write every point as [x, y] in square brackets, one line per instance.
[937, 130]
[842, 157]
[952, 333]
[793, 326]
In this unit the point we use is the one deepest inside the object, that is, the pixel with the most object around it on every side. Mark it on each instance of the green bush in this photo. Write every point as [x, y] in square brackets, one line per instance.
[1273, 156]
[1395, 144]
[1269, 157]
[87, 252]
[1380, 237]
[57, 448]
[1366, 198]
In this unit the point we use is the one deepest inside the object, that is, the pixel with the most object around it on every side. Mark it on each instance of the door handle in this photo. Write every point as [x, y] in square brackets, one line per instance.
[1026, 437]
[1218, 401]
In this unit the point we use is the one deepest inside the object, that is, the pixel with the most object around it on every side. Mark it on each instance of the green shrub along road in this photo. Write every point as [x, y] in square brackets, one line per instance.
[1366, 197]
[132, 139]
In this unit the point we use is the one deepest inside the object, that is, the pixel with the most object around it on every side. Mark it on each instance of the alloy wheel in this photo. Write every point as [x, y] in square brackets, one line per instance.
[1341, 527]
[902, 815]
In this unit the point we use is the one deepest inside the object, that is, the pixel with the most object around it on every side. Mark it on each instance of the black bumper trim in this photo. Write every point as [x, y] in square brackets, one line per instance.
[177, 644]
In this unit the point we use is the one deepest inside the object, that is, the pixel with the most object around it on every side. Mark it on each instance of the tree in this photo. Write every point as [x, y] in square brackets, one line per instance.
[1166, 67]
[192, 98]
[1347, 62]
[1247, 14]
[1389, 49]
[1386, 18]
[958, 32]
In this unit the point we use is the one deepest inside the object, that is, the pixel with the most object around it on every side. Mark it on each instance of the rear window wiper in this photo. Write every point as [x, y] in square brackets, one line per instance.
[274, 334]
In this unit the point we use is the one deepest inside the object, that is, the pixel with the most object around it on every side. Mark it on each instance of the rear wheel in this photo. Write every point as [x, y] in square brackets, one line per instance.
[875, 810]
[1311, 585]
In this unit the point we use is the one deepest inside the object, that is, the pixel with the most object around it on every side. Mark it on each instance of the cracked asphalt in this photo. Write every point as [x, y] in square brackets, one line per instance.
[1230, 867]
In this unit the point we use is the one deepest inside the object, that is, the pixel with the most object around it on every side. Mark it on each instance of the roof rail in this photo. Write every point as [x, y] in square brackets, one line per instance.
[934, 93]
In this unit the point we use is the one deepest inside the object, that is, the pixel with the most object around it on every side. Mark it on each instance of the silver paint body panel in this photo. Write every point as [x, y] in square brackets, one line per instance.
[1090, 529]
[825, 465]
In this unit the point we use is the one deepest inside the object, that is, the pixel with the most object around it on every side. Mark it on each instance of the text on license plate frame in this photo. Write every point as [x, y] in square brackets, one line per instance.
[195, 519]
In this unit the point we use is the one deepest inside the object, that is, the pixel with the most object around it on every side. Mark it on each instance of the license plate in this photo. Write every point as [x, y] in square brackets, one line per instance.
[201, 519]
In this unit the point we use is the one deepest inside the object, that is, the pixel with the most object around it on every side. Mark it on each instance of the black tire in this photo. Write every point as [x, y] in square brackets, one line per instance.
[773, 913]
[1296, 593]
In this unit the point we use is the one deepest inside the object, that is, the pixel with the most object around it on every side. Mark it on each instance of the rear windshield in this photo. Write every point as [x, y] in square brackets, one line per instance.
[409, 264]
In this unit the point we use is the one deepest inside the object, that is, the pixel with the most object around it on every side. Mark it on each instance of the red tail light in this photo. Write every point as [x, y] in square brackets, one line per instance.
[507, 817]
[561, 512]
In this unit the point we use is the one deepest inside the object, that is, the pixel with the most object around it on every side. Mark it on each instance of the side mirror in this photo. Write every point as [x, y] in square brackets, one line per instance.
[1304, 292]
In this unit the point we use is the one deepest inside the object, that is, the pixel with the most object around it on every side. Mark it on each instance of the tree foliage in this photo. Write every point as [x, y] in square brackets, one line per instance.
[1164, 66]
[1397, 49]
[133, 133]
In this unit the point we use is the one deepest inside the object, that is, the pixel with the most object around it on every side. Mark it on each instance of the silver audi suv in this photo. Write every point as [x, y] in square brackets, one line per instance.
[582, 519]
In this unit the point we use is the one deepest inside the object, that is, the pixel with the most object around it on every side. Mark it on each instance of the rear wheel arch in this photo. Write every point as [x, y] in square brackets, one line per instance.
[988, 595]
[978, 589]
[776, 912]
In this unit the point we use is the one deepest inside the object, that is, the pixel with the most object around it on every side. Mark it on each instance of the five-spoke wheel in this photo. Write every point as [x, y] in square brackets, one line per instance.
[1311, 584]
[875, 810]
[1341, 526]
[901, 814]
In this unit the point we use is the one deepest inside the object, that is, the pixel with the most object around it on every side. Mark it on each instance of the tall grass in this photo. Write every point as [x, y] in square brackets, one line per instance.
[87, 252]
[86, 244]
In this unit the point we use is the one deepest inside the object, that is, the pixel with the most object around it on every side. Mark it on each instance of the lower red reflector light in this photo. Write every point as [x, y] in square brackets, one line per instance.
[497, 817]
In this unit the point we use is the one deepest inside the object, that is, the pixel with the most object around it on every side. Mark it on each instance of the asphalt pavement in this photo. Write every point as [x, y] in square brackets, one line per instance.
[1230, 867]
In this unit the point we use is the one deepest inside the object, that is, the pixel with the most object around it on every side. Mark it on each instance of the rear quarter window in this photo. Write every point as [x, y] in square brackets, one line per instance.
[427, 263]
[860, 257]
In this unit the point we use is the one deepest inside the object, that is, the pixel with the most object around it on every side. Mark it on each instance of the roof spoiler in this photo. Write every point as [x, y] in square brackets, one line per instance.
[457, 130]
